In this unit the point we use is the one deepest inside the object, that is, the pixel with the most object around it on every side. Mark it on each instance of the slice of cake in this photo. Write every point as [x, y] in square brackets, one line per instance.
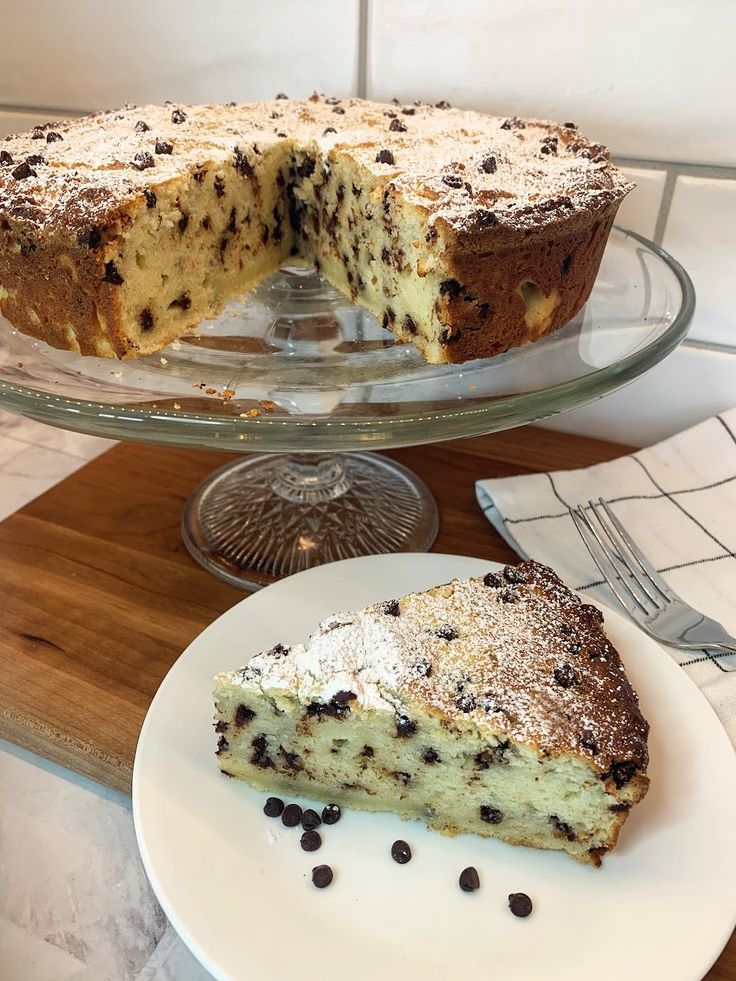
[491, 705]
[463, 233]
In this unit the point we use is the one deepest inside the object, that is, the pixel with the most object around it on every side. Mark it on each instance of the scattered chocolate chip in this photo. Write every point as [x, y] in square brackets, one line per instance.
[311, 841]
[550, 149]
[90, 237]
[569, 125]
[199, 175]
[402, 776]
[221, 726]
[384, 157]
[53, 137]
[405, 727]
[306, 167]
[163, 146]
[243, 715]
[562, 828]
[183, 222]
[520, 904]
[483, 310]
[331, 813]
[466, 702]
[590, 613]
[222, 745]
[219, 185]
[513, 123]
[408, 111]
[484, 219]
[183, 302]
[38, 134]
[423, 667]
[112, 275]
[431, 756]
[574, 647]
[339, 110]
[142, 161]
[322, 876]
[150, 197]
[274, 807]
[291, 816]
[587, 741]
[35, 159]
[178, 116]
[5, 158]
[491, 815]
[488, 164]
[367, 751]
[621, 773]
[242, 164]
[310, 820]
[390, 608]
[146, 325]
[443, 104]
[400, 852]
[492, 580]
[446, 632]
[23, 171]
[140, 127]
[343, 698]
[622, 806]
[452, 180]
[507, 595]
[565, 676]
[331, 100]
[409, 326]
[329, 129]
[396, 126]
[260, 757]
[469, 880]
[281, 95]
[513, 574]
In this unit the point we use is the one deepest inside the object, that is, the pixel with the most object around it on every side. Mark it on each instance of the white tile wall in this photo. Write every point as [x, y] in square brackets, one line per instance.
[701, 233]
[640, 209]
[80, 54]
[648, 78]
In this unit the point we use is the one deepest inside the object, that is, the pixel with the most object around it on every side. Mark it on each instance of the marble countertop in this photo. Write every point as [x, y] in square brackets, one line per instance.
[75, 903]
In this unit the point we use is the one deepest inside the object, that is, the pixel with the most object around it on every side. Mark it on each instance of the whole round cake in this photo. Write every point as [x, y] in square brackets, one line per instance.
[465, 234]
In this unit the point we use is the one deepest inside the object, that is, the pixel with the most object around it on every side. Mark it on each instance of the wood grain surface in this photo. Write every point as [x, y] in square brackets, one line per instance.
[99, 596]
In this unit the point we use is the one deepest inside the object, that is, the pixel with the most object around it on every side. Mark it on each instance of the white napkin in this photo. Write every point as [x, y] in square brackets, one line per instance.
[678, 501]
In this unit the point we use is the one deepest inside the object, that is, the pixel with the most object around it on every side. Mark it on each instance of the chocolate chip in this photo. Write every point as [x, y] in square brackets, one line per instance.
[306, 167]
[484, 219]
[339, 110]
[621, 807]
[342, 698]
[562, 828]
[384, 157]
[291, 816]
[409, 326]
[274, 807]
[402, 776]
[491, 815]
[492, 580]
[550, 149]
[507, 595]
[469, 880]
[513, 123]
[146, 324]
[408, 111]
[520, 904]
[569, 125]
[311, 841]
[178, 116]
[331, 100]
[310, 820]
[281, 95]
[5, 158]
[199, 175]
[38, 134]
[35, 159]
[260, 757]
[587, 741]
[443, 104]
[330, 129]
[142, 161]
[390, 608]
[53, 137]
[405, 727]
[488, 164]
[243, 715]
[322, 876]
[90, 237]
[621, 773]
[183, 302]
[222, 745]
[140, 127]
[424, 668]
[431, 756]
[591, 613]
[452, 180]
[23, 170]
[514, 574]
[112, 275]
[466, 702]
[183, 222]
[331, 813]
[242, 164]
[446, 632]
[367, 751]
[396, 126]
[219, 185]
[150, 198]
[221, 726]
[565, 676]
[400, 852]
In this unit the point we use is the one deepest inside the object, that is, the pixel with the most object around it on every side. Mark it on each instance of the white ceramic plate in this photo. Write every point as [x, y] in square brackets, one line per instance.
[237, 887]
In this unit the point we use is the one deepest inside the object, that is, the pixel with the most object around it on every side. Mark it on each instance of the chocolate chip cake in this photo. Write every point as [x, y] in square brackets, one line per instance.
[465, 234]
[491, 705]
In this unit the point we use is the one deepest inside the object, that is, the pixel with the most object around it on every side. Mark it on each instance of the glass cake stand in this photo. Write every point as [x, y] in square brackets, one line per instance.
[296, 371]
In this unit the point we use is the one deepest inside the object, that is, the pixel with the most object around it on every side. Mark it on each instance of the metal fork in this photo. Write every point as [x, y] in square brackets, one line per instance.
[642, 591]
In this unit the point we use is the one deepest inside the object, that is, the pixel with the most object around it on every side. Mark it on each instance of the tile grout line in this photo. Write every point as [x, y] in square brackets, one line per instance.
[362, 67]
[664, 205]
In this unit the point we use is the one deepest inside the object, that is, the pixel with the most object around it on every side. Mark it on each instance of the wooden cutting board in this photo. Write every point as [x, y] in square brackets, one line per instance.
[99, 596]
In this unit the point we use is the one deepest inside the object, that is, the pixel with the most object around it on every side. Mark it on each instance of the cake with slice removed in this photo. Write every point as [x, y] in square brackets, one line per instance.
[491, 705]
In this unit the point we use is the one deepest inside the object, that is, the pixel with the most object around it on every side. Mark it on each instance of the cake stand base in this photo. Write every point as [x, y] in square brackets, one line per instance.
[270, 515]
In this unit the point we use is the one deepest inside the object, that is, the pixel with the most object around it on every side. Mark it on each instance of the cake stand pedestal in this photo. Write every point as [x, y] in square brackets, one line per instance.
[298, 373]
